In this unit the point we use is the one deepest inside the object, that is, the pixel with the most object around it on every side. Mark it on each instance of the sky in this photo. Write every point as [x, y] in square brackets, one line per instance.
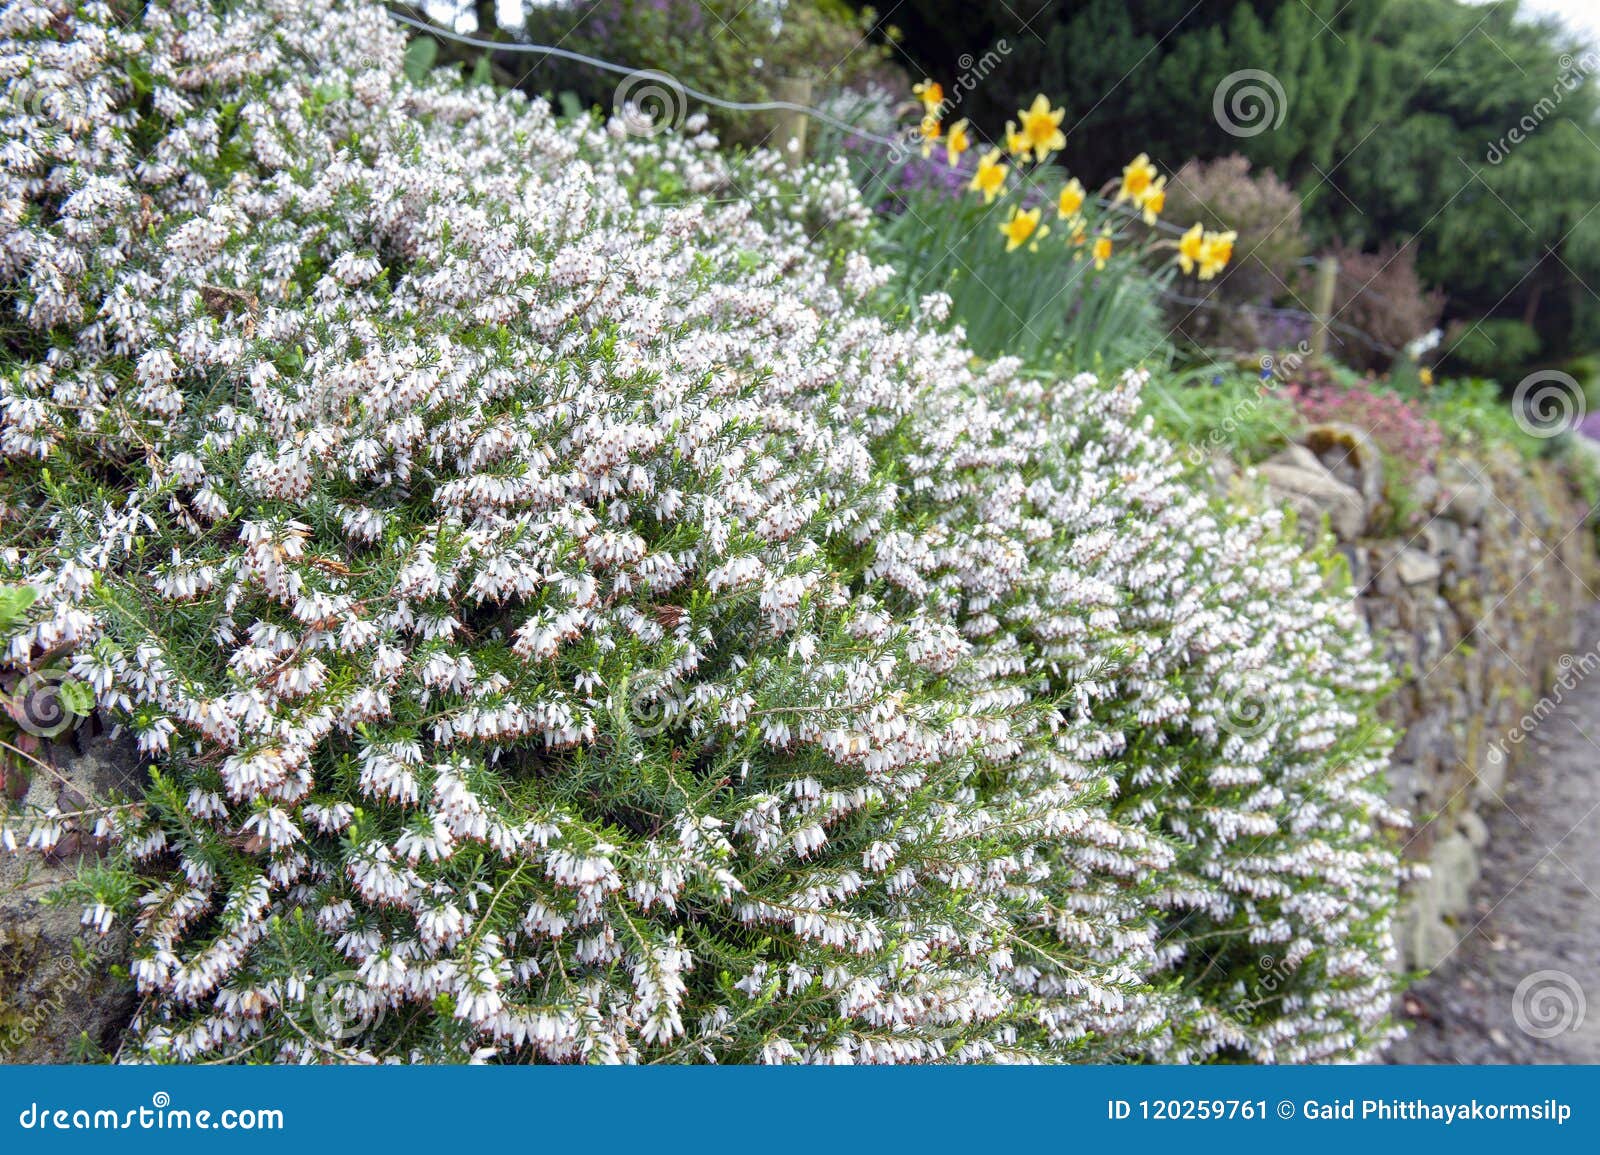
[1582, 16]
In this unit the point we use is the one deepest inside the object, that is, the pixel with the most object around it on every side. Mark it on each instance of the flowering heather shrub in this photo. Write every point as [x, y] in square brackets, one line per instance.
[545, 588]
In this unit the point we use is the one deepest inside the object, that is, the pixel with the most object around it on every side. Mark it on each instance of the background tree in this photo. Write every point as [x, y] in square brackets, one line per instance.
[1503, 226]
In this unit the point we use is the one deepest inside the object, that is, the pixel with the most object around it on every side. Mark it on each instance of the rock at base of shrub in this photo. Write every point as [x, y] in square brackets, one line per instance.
[62, 986]
[1299, 479]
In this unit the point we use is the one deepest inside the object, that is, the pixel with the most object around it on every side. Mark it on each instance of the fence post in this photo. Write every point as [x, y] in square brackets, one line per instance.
[789, 132]
[1322, 305]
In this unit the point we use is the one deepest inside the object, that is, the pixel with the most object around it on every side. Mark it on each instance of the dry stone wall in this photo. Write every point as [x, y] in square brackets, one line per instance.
[1477, 602]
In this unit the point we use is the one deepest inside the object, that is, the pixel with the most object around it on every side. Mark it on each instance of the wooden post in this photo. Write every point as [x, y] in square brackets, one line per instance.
[789, 132]
[1322, 305]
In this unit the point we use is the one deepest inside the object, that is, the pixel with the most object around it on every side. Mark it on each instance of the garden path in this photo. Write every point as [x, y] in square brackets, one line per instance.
[1523, 985]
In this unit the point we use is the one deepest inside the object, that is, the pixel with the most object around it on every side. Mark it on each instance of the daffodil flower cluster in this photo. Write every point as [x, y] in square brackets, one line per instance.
[1205, 253]
[1032, 139]
[567, 623]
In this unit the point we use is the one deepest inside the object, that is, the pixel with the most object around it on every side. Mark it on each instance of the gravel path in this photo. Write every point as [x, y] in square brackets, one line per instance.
[1523, 986]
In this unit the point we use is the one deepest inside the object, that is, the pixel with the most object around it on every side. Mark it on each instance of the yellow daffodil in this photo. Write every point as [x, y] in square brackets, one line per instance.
[1079, 234]
[1023, 228]
[1071, 199]
[1425, 376]
[1154, 200]
[957, 142]
[931, 93]
[990, 177]
[1102, 250]
[1189, 248]
[931, 131]
[1041, 127]
[1216, 250]
[1016, 142]
[1137, 177]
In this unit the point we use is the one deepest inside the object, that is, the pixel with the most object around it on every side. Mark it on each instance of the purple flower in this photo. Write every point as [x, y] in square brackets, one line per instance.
[917, 175]
[1590, 426]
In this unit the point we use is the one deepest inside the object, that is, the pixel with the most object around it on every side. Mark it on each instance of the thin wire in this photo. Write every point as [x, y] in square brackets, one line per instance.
[1346, 274]
[623, 70]
[1276, 311]
[1209, 303]
[829, 119]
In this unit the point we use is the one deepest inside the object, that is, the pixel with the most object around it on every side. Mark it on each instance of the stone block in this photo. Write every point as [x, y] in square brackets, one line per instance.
[1315, 493]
